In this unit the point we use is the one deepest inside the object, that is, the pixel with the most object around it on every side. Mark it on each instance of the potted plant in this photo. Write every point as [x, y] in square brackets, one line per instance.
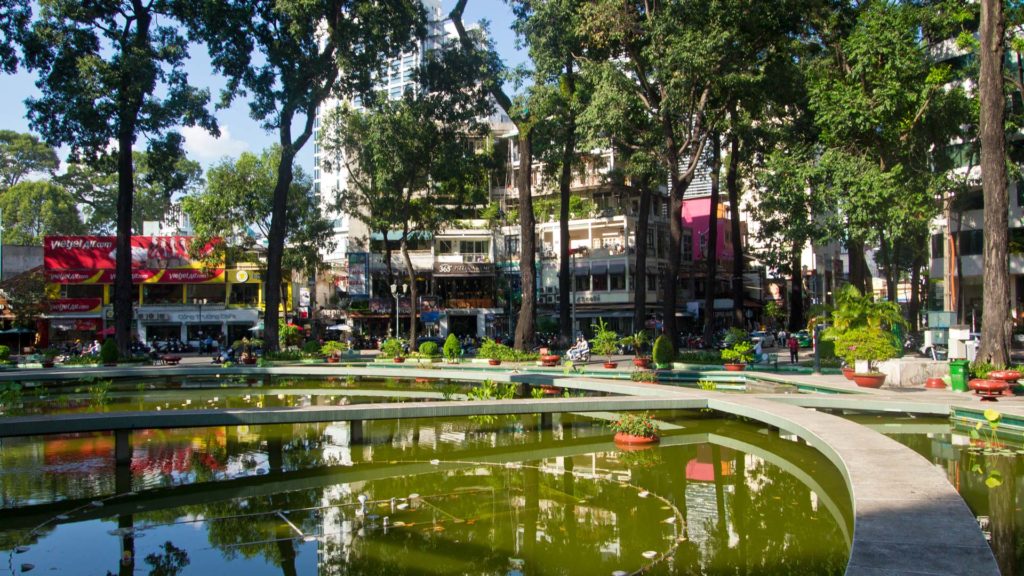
[452, 349]
[870, 345]
[635, 430]
[738, 355]
[663, 353]
[393, 348]
[48, 355]
[637, 342]
[109, 353]
[333, 349]
[492, 351]
[606, 342]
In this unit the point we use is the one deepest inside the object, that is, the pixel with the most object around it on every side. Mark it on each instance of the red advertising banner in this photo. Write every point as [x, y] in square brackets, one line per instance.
[70, 305]
[140, 276]
[100, 252]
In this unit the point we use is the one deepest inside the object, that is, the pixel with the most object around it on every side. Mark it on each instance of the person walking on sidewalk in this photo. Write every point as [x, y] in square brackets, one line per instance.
[794, 348]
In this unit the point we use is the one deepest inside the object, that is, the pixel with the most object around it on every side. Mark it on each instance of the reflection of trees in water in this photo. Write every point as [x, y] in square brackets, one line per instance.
[1002, 498]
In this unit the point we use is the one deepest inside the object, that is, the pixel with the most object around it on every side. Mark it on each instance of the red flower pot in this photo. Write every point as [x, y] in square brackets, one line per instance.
[934, 383]
[630, 442]
[1009, 376]
[333, 360]
[848, 372]
[731, 367]
[644, 363]
[611, 365]
[869, 380]
[988, 389]
[549, 359]
[398, 359]
[494, 362]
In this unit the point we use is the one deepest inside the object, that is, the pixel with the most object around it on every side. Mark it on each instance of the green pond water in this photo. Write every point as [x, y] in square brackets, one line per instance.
[985, 468]
[486, 495]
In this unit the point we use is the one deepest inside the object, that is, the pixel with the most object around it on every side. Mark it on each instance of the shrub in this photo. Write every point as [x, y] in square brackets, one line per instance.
[311, 347]
[741, 351]
[393, 348]
[606, 340]
[827, 349]
[493, 351]
[664, 352]
[452, 348]
[5, 352]
[980, 369]
[643, 376]
[734, 335]
[108, 351]
[871, 344]
[700, 357]
[429, 349]
[284, 355]
[636, 425]
[637, 342]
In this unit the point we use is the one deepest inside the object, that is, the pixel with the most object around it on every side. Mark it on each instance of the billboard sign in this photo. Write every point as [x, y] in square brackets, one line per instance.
[76, 305]
[100, 252]
[358, 274]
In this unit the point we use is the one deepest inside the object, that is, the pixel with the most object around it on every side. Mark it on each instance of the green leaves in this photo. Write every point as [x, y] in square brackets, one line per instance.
[21, 155]
[32, 210]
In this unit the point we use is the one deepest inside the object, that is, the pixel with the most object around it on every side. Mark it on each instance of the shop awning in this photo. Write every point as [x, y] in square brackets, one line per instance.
[616, 267]
[582, 271]
[598, 268]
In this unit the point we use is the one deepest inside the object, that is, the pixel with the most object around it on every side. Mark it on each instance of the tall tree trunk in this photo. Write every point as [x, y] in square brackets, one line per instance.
[411, 277]
[640, 245]
[711, 256]
[526, 325]
[732, 183]
[958, 291]
[888, 263]
[565, 276]
[391, 279]
[858, 267]
[124, 290]
[914, 310]
[995, 315]
[671, 280]
[796, 293]
[275, 249]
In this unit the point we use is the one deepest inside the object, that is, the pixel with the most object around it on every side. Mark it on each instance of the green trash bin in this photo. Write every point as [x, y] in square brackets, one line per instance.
[959, 371]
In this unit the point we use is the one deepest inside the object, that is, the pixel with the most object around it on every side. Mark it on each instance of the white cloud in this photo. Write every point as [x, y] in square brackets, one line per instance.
[203, 147]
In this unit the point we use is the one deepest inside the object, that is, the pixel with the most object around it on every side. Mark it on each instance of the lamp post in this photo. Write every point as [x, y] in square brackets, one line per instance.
[199, 303]
[572, 291]
[396, 294]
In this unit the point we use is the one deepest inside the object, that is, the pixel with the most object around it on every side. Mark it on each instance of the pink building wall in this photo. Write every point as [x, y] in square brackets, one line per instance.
[696, 218]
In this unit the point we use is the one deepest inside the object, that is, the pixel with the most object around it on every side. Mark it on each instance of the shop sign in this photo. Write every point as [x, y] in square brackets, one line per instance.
[588, 299]
[358, 273]
[93, 253]
[463, 269]
[207, 316]
[139, 276]
[75, 305]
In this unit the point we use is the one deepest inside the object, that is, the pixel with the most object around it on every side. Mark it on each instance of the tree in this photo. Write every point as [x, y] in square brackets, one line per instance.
[526, 325]
[32, 210]
[995, 316]
[111, 71]
[23, 154]
[26, 295]
[290, 56]
[410, 163]
[14, 17]
[236, 205]
[94, 185]
[550, 29]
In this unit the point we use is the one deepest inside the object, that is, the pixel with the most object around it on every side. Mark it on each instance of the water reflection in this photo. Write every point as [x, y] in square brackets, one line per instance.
[427, 497]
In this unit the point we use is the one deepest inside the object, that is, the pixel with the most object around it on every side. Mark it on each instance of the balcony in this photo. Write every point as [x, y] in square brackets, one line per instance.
[463, 258]
[466, 303]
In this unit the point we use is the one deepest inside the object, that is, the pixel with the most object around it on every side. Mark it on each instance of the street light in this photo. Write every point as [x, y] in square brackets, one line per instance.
[572, 291]
[396, 294]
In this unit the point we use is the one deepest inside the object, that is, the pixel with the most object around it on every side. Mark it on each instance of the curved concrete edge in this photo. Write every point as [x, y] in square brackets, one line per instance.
[908, 518]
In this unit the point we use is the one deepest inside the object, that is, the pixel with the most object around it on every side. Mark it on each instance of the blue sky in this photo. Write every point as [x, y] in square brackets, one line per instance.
[240, 133]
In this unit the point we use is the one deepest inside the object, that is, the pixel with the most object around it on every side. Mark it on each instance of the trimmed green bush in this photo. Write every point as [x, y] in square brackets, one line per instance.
[429, 349]
[333, 348]
[493, 351]
[664, 353]
[311, 347]
[871, 344]
[393, 348]
[741, 352]
[108, 351]
[452, 348]
[700, 357]
[5, 352]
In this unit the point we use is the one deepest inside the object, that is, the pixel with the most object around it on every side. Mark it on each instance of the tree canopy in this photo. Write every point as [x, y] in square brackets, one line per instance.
[22, 155]
[32, 210]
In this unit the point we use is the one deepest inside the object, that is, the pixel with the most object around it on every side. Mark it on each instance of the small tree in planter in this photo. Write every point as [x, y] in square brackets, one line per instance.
[637, 342]
[870, 345]
[738, 355]
[664, 353]
[452, 349]
[333, 350]
[393, 348]
[109, 353]
[492, 351]
[606, 342]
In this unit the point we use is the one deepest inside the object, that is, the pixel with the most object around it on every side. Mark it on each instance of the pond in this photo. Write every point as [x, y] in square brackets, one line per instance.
[481, 495]
[984, 467]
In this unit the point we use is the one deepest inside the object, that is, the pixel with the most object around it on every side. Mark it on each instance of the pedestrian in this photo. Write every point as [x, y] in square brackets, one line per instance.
[794, 349]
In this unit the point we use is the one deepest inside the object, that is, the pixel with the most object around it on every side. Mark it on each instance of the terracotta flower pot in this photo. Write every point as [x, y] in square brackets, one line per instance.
[988, 389]
[848, 372]
[869, 379]
[734, 367]
[934, 383]
[627, 441]
[1009, 376]
[549, 359]
[641, 362]
[494, 362]
[398, 359]
[249, 360]
[333, 360]
[611, 365]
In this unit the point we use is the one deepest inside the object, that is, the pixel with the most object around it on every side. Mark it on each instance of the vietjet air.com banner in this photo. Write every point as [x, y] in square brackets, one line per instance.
[91, 253]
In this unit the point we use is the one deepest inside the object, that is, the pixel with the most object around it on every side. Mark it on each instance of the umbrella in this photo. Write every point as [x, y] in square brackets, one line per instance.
[19, 331]
[342, 327]
[257, 327]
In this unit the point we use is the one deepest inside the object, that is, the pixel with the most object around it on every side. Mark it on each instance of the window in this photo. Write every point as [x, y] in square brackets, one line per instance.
[212, 293]
[972, 242]
[600, 282]
[474, 247]
[938, 242]
[245, 294]
[687, 245]
[1020, 194]
[161, 294]
[652, 282]
[81, 291]
[617, 281]
[582, 283]
[445, 247]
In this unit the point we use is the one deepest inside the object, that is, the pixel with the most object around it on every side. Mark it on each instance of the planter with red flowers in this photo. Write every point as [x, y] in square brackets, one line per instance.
[635, 430]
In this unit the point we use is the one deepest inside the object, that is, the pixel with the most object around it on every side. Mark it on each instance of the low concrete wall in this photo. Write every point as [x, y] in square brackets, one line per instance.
[912, 372]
